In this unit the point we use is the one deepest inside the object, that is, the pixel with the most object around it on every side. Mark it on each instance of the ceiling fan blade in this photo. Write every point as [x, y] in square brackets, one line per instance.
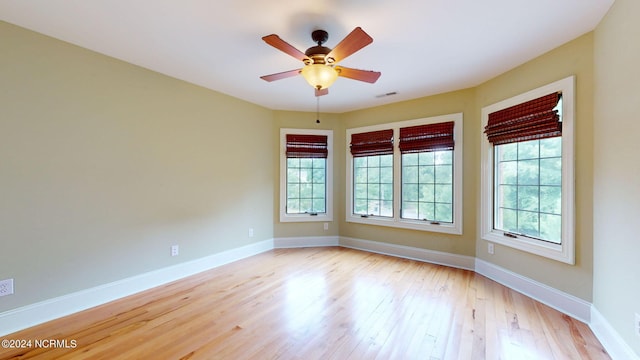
[279, 76]
[360, 75]
[322, 92]
[356, 40]
[275, 41]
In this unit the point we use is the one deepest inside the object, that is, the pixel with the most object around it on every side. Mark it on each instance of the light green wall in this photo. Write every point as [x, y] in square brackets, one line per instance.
[617, 169]
[573, 58]
[104, 165]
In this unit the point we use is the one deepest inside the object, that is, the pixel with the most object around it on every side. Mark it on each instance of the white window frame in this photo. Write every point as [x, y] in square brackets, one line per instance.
[328, 215]
[396, 220]
[564, 252]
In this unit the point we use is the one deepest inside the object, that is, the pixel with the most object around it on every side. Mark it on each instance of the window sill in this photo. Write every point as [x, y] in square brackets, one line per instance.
[406, 224]
[305, 218]
[549, 250]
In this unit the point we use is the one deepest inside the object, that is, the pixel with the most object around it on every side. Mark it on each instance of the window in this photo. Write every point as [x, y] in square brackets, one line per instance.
[427, 172]
[527, 182]
[407, 174]
[305, 175]
[373, 173]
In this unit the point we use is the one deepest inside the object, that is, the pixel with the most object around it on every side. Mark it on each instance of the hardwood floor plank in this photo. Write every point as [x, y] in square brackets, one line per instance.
[320, 303]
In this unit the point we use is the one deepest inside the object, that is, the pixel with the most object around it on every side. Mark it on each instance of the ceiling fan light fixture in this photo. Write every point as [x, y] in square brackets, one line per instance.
[319, 76]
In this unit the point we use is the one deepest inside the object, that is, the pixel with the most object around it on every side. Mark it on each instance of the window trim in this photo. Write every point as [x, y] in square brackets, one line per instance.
[396, 220]
[564, 252]
[328, 215]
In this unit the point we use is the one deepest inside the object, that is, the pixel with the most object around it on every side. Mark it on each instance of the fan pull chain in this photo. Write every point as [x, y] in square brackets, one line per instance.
[317, 109]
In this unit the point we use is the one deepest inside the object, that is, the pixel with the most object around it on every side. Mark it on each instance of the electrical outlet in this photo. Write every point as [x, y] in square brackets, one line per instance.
[326, 226]
[637, 324]
[490, 248]
[250, 232]
[175, 250]
[6, 287]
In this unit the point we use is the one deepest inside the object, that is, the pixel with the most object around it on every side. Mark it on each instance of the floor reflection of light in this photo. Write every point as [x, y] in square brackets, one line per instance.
[370, 302]
[306, 299]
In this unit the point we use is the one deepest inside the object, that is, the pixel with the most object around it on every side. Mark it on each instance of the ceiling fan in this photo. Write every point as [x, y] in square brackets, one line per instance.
[320, 68]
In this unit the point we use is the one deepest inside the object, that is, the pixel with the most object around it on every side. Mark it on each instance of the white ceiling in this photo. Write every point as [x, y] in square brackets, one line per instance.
[422, 47]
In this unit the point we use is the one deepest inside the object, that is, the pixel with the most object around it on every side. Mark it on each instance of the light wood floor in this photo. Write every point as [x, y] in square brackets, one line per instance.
[320, 303]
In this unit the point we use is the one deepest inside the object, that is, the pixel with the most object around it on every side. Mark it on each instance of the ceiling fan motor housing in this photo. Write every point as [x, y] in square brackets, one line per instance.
[318, 53]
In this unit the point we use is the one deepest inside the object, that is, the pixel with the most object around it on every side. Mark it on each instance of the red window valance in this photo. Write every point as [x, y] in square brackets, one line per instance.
[372, 143]
[431, 137]
[534, 119]
[306, 146]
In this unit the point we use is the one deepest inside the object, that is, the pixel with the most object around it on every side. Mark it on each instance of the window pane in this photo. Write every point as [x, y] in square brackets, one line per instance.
[306, 163]
[428, 182]
[427, 193]
[508, 196]
[444, 174]
[373, 186]
[360, 175]
[293, 163]
[374, 207]
[507, 152]
[528, 198]
[318, 175]
[360, 191]
[386, 160]
[293, 191]
[528, 150]
[528, 223]
[528, 188]
[318, 191]
[386, 192]
[293, 176]
[359, 162]
[319, 163]
[508, 172]
[409, 209]
[551, 227]
[443, 213]
[551, 147]
[373, 176]
[444, 157]
[360, 207]
[410, 174]
[426, 174]
[426, 158]
[528, 172]
[319, 205]
[444, 194]
[427, 211]
[410, 159]
[373, 191]
[551, 199]
[387, 208]
[293, 206]
[306, 205]
[306, 189]
[551, 171]
[410, 192]
[386, 175]
[507, 220]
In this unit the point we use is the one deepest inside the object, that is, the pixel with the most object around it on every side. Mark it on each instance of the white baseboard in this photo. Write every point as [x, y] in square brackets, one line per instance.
[305, 241]
[610, 338]
[561, 301]
[408, 252]
[38, 313]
